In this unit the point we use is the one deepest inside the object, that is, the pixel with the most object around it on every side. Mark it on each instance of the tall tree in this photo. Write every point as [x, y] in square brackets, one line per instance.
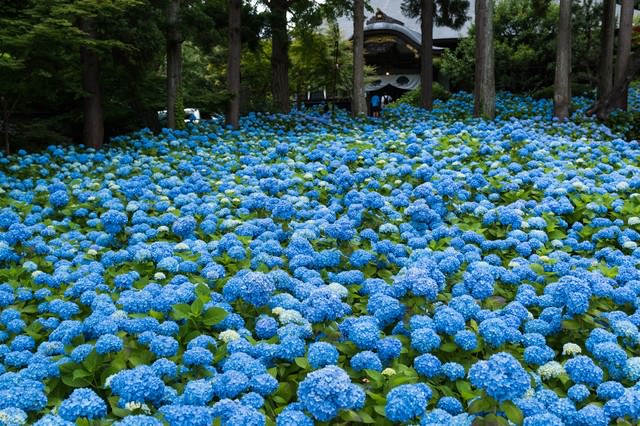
[279, 54]
[624, 49]
[93, 128]
[358, 102]
[445, 13]
[426, 55]
[485, 84]
[607, 35]
[174, 66]
[233, 65]
[562, 85]
[603, 107]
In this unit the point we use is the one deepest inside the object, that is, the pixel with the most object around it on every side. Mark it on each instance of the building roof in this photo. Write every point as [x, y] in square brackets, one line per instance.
[411, 27]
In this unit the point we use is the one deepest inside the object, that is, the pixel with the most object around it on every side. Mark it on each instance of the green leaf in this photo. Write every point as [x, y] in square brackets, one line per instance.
[464, 388]
[448, 347]
[303, 363]
[480, 405]
[203, 293]
[513, 413]
[91, 361]
[76, 382]
[571, 325]
[196, 307]
[181, 311]
[350, 416]
[213, 316]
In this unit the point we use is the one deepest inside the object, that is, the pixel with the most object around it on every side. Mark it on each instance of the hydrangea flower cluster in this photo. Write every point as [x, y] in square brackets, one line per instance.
[307, 268]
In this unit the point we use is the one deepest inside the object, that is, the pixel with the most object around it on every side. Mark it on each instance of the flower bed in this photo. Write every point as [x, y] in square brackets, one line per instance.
[302, 270]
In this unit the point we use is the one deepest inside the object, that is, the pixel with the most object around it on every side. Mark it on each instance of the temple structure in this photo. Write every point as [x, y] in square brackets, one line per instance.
[392, 47]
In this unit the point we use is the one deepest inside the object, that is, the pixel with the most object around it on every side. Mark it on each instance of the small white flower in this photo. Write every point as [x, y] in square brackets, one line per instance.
[634, 220]
[159, 276]
[388, 372]
[630, 245]
[92, 252]
[571, 349]
[339, 290]
[290, 316]
[181, 247]
[622, 186]
[229, 336]
[551, 370]
[163, 228]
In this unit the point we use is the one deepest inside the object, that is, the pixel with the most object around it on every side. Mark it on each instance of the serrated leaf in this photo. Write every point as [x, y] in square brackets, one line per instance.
[213, 316]
[303, 363]
[91, 361]
[181, 311]
[196, 307]
[513, 413]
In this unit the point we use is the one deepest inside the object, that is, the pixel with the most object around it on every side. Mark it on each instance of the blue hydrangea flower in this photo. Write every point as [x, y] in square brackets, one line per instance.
[138, 385]
[581, 369]
[323, 393]
[83, 403]
[322, 354]
[366, 360]
[502, 377]
[406, 402]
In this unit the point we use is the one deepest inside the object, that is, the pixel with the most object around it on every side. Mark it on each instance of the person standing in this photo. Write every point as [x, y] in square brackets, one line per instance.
[375, 106]
[386, 100]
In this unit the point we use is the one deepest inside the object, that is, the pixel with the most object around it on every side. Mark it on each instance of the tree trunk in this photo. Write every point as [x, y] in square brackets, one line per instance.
[359, 101]
[624, 49]
[233, 70]
[279, 55]
[426, 55]
[602, 109]
[485, 84]
[93, 126]
[5, 124]
[174, 64]
[562, 84]
[607, 36]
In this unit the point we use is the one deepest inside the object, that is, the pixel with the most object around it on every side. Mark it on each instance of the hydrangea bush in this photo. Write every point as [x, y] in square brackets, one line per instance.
[420, 269]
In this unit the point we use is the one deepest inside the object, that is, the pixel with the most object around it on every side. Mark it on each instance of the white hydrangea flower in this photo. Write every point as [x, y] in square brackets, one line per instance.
[19, 418]
[622, 186]
[632, 369]
[579, 186]
[339, 290]
[571, 349]
[36, 273]
[229, 336]
[551, 370]
[107, 382]
[289, 316]
[630, 245]
[277, 310]
[92, 252]
[388, 372]
[132, 206]
[159, 276]
[181, 247]
[163, 228]
[634, 220]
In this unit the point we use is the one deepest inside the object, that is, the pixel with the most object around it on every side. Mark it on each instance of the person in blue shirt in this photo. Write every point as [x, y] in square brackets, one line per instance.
[375, 106]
